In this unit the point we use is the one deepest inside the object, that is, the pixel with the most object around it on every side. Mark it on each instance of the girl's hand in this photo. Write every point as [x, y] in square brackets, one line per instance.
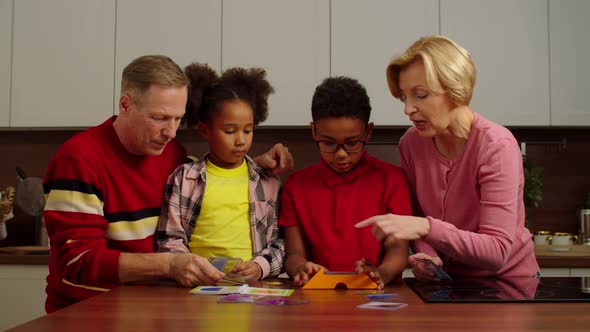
[250, 270]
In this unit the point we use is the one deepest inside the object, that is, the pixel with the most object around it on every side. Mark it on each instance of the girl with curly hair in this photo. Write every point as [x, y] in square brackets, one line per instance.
[224, 204]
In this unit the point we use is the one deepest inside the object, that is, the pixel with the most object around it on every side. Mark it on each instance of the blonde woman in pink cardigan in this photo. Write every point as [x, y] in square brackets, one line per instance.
[465, 172]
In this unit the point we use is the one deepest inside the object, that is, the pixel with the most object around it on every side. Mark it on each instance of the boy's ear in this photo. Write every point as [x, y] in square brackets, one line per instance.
[203, 129]
[312, 125]
[369, 130]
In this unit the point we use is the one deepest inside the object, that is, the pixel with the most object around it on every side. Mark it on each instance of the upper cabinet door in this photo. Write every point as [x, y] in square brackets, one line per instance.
[570, 71]
[508, 41]
[5, 54]
[366, 35]
[290, 40]
[63, 63]
[185, 30]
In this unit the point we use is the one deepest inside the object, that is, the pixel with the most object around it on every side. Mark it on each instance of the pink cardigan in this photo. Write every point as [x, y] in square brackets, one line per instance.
[474, 203]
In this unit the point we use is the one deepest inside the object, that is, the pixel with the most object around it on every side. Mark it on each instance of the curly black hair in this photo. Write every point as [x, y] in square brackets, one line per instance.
[338, 97]
[208, 91]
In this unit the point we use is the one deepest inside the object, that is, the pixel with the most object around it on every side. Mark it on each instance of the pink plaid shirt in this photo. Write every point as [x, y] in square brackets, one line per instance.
[183, 197]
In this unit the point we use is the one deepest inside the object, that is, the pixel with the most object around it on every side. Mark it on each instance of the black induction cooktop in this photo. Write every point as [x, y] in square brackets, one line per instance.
[549, 289]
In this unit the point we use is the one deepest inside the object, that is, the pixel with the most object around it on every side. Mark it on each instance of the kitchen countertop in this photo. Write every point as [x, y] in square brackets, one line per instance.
[578, 257]
[563, 256]
[20, 259]
[24, 255]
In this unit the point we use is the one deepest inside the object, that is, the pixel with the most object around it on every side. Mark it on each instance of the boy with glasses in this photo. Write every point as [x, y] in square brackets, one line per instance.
[321, 203]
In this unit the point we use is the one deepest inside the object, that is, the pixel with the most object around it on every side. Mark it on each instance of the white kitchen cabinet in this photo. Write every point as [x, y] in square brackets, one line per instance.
[62, 63]
[291, 40]
[187, 31]
[508, 41]
[364, 38]
[23, 294]
[569, 54]
[579, 272]
[555, 272]
[5, 58]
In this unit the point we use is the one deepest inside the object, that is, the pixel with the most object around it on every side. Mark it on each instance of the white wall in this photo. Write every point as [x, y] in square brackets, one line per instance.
[61, 61]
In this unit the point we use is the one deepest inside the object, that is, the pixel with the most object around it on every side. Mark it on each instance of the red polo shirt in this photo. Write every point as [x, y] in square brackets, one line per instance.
[326, 206]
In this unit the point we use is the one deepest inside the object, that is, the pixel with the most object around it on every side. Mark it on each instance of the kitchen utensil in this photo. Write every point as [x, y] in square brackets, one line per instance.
[563, 239]
[542, 238]
[585, 285]
[585, 226]
[29, 194]
[30, 199]
[6, 202]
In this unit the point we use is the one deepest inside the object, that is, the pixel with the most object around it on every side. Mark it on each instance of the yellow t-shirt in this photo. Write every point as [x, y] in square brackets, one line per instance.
[223, 226]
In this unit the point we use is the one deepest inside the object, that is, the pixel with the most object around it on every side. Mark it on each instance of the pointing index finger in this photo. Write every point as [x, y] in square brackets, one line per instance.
[365, 223]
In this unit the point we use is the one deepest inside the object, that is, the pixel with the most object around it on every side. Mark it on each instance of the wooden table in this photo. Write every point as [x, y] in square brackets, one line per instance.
[169, 308]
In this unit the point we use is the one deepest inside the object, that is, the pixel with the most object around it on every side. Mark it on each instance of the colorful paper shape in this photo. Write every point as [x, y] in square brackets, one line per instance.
[243, 289]
[333, 280]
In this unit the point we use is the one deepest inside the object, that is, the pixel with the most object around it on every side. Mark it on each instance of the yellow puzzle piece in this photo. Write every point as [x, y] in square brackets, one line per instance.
[348, 280]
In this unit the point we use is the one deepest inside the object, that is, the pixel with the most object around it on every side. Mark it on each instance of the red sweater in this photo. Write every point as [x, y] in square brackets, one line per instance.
[101, 201]
[326, 206]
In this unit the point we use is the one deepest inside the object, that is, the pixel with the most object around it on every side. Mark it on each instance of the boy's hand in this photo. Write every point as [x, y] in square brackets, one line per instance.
[371, 270]
[304, 272]
[250, 270]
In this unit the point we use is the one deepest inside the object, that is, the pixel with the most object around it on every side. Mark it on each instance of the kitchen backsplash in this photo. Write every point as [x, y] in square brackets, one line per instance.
[563, 153]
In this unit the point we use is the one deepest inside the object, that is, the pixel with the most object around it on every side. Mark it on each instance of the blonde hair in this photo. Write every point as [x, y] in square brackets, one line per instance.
[448, 68]
[147, 70]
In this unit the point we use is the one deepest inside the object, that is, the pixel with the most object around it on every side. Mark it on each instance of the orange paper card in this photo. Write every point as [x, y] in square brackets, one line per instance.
[348, 280]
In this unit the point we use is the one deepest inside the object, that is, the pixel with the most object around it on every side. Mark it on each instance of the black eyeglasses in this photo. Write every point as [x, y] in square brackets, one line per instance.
[349, 147]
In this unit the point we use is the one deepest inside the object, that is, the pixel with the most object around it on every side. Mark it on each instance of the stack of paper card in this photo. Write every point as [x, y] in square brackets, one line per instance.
[227, 265]
[437, 270]
[218, 290]
[243, 289]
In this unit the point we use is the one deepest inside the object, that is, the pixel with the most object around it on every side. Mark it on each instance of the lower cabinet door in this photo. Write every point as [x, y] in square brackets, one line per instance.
[23, 294]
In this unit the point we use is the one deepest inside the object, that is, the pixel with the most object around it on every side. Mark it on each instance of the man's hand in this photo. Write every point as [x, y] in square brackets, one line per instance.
[191, 270]
[250, 270]
[278, 159]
